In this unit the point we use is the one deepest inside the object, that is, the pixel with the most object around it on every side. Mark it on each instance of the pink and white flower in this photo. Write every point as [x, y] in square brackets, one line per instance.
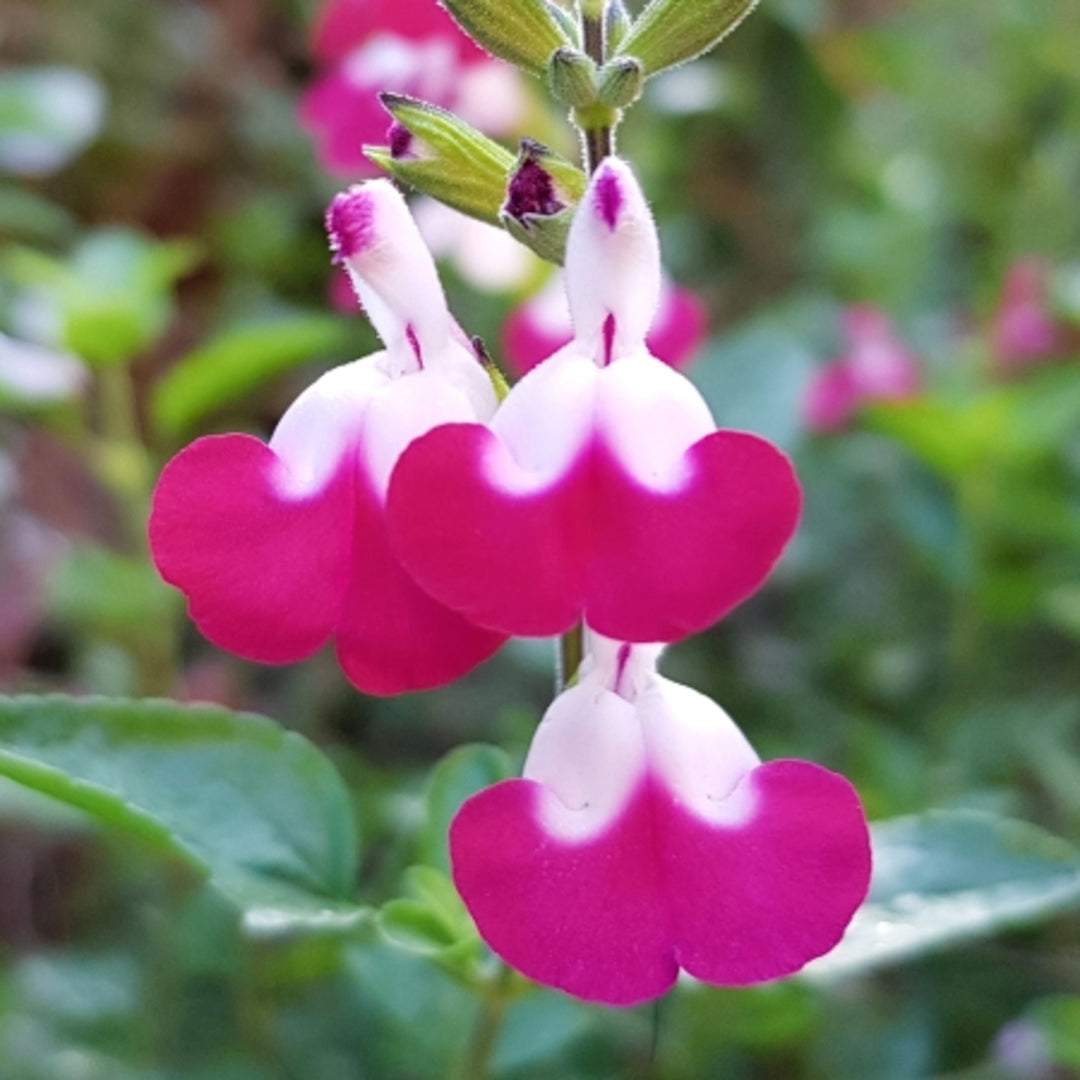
[1024, 331]
[409, 46]
[280, 547]
[876, 367]
[602, 488]
[647, 837]
[541, 326]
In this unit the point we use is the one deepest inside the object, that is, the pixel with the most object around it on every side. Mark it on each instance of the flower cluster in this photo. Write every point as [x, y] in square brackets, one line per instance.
[399, 511]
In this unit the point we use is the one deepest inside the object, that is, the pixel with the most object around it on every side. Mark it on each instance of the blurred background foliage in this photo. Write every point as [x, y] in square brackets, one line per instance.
[164, 273]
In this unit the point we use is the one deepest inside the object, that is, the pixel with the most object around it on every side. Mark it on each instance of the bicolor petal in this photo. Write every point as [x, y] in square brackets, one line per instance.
[647, 837]
[541, 326]
[601, 488]
[280, 547]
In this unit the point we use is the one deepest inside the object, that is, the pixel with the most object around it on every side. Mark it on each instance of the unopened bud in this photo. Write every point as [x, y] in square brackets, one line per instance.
[540, 197]
[621, 82]
[571, 77]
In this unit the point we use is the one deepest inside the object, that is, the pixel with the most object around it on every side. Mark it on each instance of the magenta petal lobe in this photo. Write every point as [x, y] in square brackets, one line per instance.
[638, 564]
[587, 918]
[262, 573]
[783, 887]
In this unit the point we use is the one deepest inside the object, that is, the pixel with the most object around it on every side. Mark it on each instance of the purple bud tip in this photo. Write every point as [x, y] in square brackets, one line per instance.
[532, 191]
[608, 196]
[350, 223]
[400, 139]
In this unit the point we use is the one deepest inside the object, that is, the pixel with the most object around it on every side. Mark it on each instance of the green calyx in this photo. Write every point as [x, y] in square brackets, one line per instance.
[439, 154]
[543, 191]
[572, 77]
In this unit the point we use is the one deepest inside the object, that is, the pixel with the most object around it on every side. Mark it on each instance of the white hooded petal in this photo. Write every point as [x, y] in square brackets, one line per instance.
[612, 265]
[588, 751]
[393, 273]
[324, 423]
[697, 752]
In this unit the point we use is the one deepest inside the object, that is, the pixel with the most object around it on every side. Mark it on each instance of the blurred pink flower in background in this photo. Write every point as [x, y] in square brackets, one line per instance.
[1023, 330]
[412, 47]
[877, 366]
[541, 326]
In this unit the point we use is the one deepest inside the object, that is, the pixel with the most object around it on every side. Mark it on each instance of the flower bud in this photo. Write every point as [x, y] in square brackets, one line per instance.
[572, 78]
[621, 81]
[540, 200]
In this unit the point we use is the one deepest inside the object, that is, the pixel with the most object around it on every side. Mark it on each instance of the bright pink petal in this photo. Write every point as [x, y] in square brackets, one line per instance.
[830, 399]
[678, 332]
[1024, 331]
[613, 918]
[344, 24]
[588, 918]
[393, 637]
[342, 117]
[639, 564]
[783, 887]
[262, 571]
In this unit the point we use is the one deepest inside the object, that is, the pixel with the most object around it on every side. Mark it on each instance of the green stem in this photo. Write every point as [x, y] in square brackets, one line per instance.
[123, 465]
[494, 1000]
[599, 134]
[568, 659]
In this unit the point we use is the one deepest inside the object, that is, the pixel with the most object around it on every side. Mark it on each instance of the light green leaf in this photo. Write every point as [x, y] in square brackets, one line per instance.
[670, 32]
[433, 920]
[236, 362]
[256, 809]
[945, 878]
[523, 32]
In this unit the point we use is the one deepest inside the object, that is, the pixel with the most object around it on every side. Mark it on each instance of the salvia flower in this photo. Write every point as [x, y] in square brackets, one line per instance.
[1024, 332]
[280, 547]
[647, 837]
[541, 326]
[877, 366]
[602, 487]
[408, 46]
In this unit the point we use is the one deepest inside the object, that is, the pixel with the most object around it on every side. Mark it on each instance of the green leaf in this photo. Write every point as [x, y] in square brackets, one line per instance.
[1058, 1019]
[31, 216]
[670, 32]
[104, 593]
[947, 877]
[258, 810]
[236, 362]
[47, 115]
[523, 32]
[461, 773]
